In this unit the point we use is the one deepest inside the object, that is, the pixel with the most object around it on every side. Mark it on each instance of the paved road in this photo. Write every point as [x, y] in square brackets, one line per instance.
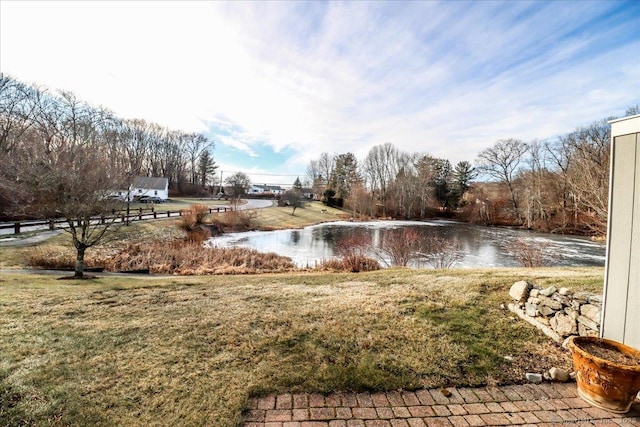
[255, 204]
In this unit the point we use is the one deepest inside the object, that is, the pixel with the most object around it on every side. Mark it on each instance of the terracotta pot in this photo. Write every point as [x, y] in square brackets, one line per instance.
[604, 383]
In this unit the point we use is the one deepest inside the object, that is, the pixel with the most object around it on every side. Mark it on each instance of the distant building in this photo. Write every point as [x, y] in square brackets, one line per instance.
[150, 186]
[264, 189]
[309, 194]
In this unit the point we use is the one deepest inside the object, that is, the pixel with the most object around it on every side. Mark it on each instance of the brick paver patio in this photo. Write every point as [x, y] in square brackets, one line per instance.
[530, 405]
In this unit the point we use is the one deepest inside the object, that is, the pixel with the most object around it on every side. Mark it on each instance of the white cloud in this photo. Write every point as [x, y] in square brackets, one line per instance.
[445, 78]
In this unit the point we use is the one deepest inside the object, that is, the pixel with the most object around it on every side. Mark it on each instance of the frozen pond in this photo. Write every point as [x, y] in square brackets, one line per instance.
[478, 246]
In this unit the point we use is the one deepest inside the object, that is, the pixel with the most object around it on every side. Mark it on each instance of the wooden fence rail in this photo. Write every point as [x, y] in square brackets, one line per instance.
[133, 216]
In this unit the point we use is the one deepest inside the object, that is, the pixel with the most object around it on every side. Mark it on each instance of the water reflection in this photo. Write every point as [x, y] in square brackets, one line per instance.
[479, 246]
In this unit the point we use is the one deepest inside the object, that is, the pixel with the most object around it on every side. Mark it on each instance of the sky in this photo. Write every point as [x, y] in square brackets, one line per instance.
[276, 83]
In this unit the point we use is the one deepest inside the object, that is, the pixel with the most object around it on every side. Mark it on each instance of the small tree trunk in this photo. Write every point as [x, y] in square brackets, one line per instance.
[79, 272]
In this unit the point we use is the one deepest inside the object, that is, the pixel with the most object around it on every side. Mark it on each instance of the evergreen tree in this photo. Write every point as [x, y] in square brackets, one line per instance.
[345, 174]
[206, 169]
[463, 174]
[442, 182]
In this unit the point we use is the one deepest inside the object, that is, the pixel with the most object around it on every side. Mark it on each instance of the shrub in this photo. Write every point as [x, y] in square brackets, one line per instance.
[193, 217]
[353, 264]
[353, 251]
[236, 220]
[198, 235]
[442, 252]
[57, 258]
[192, 258]
[402, 245]
[528, 253]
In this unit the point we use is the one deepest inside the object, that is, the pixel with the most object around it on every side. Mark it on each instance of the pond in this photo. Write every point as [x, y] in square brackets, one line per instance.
[477, 246]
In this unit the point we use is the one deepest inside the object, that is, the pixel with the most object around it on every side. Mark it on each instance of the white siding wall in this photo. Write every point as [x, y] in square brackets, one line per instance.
[621, 315]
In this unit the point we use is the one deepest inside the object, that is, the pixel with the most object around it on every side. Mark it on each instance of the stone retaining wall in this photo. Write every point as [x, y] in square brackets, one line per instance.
[559, 313]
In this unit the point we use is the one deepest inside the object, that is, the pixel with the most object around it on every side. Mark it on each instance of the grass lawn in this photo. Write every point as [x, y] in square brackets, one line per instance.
[311, 213]
[190, 351]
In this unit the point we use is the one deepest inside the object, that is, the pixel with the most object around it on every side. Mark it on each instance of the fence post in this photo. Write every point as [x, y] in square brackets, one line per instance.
[168, 214]
[16, 228]
[52, 225]
[155, 214]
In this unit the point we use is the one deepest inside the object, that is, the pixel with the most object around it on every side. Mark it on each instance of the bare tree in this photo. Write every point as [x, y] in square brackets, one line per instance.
[425, 173]
[528, 253]
[326, 163]
[293, 199]
[64, 174]
[501, 162]
[381, 167]
[136, 141]
[360, 201]
[534, 185]
[401, 246]
[442, 252]
[588, 178]
[239, 184]
[17, 104]
[195, 145]
[319, 171]
[403, 193]
[561, 161]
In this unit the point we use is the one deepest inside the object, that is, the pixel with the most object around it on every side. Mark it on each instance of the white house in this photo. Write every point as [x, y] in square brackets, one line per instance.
[261, 189]
[150, 186]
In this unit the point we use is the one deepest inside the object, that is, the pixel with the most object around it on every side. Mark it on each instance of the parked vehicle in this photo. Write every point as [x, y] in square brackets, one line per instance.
[150, 199]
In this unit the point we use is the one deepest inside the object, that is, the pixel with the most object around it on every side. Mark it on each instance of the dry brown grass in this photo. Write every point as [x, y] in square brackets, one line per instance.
[191, 351]
[192, 258]
[235, 221]
[349, 264]
[52, 257]
[193, 217]
[276, 218]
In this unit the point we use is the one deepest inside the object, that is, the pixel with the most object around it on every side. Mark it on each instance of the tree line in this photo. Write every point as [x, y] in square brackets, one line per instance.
[556, 185]
[39, 126]
[61, 157]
